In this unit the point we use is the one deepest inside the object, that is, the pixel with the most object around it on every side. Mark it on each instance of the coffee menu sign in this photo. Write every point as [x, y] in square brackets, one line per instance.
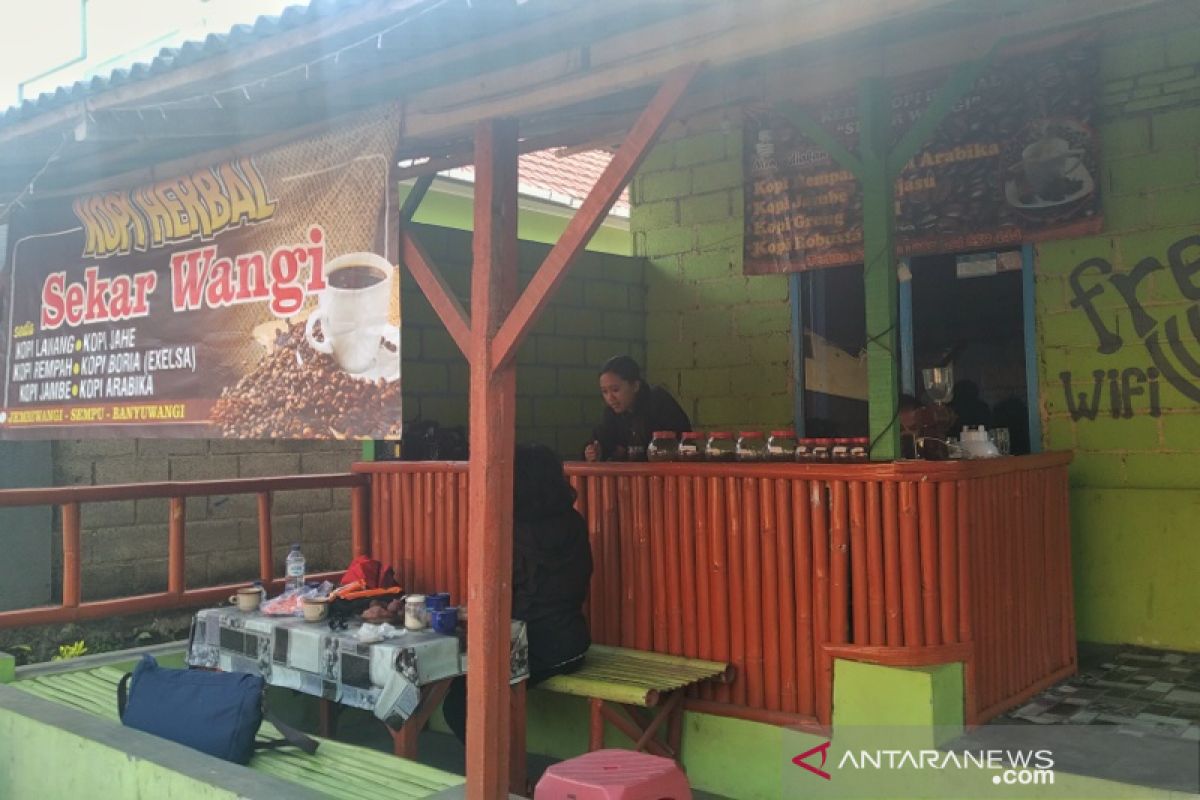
[252, 297]
[1015, 160]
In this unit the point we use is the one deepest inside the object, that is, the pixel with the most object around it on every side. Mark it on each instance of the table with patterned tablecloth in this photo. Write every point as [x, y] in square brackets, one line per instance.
[384, 677]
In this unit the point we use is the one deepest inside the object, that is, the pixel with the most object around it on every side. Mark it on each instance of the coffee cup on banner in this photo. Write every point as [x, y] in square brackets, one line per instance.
[1048, 160]
[352, 310]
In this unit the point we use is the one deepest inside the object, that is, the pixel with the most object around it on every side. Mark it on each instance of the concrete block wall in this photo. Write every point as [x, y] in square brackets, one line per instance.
[598, 312]
[1123, 389]
[717, 339]
[124, 543]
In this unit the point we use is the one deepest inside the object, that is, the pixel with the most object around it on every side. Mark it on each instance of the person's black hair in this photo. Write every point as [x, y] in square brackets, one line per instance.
[908, 402]
[623, 367]
[540, 487]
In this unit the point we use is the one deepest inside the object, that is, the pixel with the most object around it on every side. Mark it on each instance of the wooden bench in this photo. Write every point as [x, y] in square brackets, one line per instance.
[648, 687]
[338, 770]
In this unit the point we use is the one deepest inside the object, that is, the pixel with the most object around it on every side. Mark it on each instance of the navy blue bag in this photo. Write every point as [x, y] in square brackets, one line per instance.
[218, 713]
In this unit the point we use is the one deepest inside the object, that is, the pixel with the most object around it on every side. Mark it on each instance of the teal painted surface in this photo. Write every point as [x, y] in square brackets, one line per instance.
[1029, 321]
[795, 294]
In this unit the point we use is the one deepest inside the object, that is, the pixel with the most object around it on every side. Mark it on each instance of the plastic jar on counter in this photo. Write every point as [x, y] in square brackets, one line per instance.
[720, 446]
[839, 452]
[822, 450]
[691, 446]
[860, 450]
[751, 446]
[663, 447]
[781, 446]
[804, 451]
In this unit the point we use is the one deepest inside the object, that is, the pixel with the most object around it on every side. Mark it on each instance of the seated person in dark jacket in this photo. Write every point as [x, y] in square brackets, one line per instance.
[634, 410]
[552, 571]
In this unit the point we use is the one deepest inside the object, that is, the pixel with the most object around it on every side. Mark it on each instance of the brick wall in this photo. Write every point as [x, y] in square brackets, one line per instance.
[598, 312]
[1136, 471]
[715, 338]
[124, 543]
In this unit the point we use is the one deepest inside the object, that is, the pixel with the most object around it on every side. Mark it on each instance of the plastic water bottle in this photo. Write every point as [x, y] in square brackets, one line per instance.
[295, 569]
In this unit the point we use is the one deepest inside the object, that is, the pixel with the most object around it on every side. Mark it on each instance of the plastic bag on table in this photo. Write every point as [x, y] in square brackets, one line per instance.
[291, 602]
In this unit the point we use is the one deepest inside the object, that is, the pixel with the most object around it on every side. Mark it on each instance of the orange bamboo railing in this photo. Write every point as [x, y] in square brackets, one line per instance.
[69, 499]
[779, 569]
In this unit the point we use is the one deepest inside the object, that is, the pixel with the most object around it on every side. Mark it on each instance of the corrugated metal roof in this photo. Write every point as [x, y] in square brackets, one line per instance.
[170, 58]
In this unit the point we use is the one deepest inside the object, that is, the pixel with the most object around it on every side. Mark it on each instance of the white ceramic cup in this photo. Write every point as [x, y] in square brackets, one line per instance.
[314, 609]
[247, 599]
[354, 317]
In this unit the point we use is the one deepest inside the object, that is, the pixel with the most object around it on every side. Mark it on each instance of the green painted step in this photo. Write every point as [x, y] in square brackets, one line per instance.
[337, 769]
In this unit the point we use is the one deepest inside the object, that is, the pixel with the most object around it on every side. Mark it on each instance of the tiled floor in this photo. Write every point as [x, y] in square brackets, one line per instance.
[1146, 692]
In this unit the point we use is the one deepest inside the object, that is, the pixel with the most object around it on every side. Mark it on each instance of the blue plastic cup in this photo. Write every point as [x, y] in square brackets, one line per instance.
[435, 603]
[445, 621]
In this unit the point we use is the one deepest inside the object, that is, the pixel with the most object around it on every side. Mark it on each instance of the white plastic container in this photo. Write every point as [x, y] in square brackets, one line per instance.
[975, 443]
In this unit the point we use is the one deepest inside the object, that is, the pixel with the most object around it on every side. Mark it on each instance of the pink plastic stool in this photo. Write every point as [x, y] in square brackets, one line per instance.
[614, 775]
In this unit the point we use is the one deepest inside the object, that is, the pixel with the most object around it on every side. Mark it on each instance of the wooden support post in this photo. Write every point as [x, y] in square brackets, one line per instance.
[266, 568]
[493, 433]
[175, 546]
[592, 213]
[360, 499]
[71, 558]
[879, 271]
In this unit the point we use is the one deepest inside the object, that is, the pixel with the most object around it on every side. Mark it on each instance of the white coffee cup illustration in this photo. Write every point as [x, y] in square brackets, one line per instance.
[1047, 160]
[353, 310]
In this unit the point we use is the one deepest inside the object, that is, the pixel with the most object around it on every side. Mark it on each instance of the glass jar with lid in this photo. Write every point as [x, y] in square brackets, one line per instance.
[839, 452]
[663, 447]
[804, 450]
[691, 446]
[781, 445]
[720, 446]
[751, 446]
[860, 450]
[822, 450]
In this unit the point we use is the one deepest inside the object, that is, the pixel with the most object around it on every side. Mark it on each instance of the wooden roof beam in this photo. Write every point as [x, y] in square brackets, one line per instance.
[590, 215]
[647, 55]
[786, 78]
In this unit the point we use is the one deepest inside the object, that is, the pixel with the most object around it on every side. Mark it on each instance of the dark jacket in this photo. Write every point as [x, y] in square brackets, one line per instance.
[552, 571]
[654, 409]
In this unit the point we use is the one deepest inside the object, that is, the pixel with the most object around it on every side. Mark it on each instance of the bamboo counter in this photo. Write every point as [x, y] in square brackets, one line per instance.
[780, 568]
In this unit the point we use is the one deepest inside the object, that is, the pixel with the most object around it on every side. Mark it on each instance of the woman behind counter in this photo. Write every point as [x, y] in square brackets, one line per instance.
[633, 411]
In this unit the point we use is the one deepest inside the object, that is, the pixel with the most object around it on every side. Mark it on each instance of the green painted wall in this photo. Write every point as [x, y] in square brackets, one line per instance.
[50, 751]
[1137, 467]
[717, 339]
[455, 210]
[598, 312]
[720, 339]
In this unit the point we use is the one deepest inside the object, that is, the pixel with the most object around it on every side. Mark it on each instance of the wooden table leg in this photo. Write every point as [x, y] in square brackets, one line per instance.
[675, 732]
[596, 729]
[404, 741]
[516, 752]
[327, 719]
